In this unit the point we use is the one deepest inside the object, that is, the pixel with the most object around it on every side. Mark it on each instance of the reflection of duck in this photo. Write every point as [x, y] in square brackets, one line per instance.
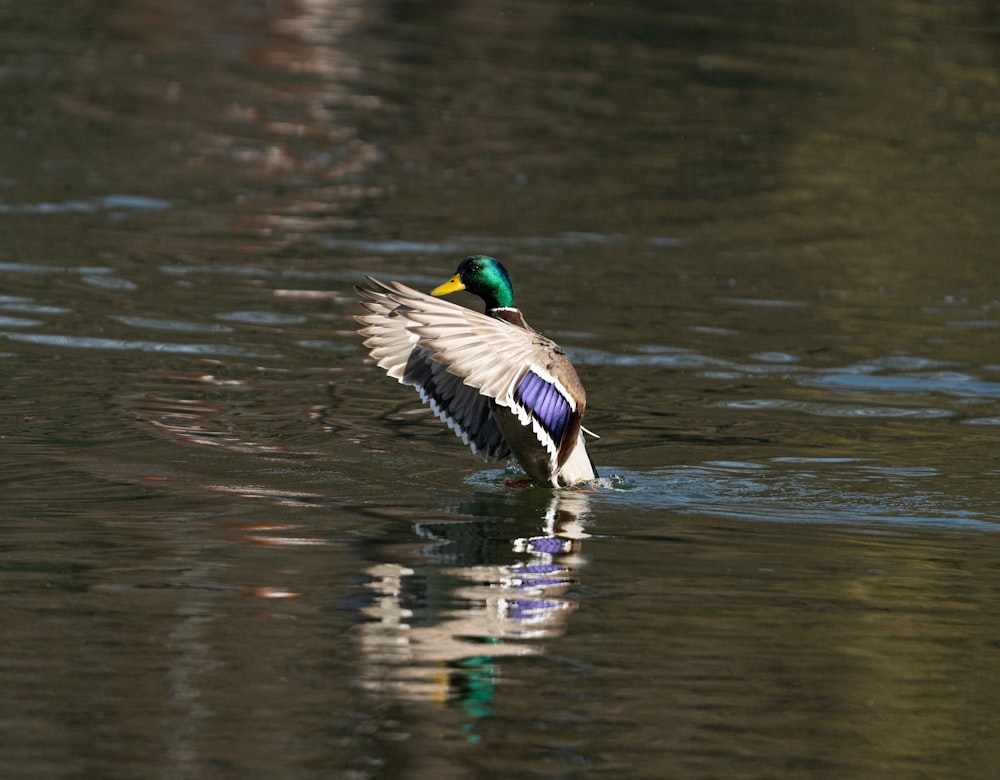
[502, 387]
[438, 630]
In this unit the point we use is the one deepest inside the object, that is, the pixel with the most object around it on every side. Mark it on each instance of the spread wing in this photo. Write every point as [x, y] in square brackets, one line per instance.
[460, 361]
[399, 351]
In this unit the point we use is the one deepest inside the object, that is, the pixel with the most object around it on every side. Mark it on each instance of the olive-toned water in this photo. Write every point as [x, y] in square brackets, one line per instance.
[765, 233]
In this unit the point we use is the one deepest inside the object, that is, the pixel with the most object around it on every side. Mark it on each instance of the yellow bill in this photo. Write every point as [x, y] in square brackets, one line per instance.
[452, 285]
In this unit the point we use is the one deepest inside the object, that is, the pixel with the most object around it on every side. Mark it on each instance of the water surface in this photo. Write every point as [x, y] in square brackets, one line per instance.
[766, 236]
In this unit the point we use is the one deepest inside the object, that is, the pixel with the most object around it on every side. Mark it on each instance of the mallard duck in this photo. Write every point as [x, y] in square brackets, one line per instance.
[500, 386]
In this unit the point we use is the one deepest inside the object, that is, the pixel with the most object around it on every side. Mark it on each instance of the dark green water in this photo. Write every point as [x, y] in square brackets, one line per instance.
[767, 236]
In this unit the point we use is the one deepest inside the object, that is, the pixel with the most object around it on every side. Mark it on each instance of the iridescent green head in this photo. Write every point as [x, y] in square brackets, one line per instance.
[482, 276]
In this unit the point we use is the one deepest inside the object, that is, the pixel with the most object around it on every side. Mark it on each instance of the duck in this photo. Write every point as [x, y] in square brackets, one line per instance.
[502, 387]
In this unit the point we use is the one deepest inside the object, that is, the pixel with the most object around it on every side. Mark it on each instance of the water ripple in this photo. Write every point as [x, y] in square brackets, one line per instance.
[946, 383]
[110, 282]
[673, 358]
[176, 326]
[774, 357]
[464, 244]
[113, 203]
[36, 268]
[836, 410]
[262, 318]
[898, 363]
[33, 308]
[90, 342]
[787, 490]
[983, 421]
[766, 303]
[18, 322]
